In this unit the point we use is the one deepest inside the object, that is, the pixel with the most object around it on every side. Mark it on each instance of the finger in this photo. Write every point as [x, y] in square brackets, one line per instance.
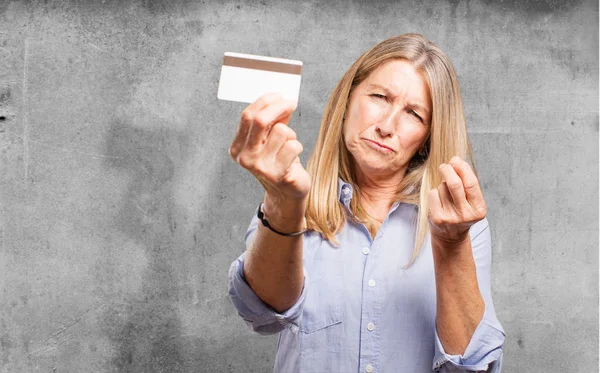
[455, 186]
[288, 153]
[444, 195]
[278, 111]
[263, 101]
[279, 134]
[435, 210]
[246, 120]
[469, 180]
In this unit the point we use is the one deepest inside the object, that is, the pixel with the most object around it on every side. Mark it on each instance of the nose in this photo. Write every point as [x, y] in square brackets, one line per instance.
[387, 125]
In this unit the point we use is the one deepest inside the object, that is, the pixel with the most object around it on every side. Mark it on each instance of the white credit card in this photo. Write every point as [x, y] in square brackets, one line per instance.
[246, 77]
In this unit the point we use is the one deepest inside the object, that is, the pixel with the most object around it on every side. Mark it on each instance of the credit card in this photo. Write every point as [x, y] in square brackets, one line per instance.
[246, 77]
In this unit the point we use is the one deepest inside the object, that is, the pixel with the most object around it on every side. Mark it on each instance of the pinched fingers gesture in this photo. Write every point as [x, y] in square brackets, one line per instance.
[269, 149]
[456, 204]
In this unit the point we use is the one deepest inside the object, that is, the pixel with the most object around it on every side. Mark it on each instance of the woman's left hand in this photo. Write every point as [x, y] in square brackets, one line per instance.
[456, 204]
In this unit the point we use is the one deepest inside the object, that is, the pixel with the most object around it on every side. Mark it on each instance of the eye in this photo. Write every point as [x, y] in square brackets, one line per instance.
[416, 115]
[377, 95]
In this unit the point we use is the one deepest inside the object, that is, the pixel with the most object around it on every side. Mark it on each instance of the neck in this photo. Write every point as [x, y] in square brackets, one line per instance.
[378, 191]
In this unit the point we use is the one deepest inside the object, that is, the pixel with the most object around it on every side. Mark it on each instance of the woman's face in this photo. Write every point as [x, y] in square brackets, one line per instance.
[392, 107]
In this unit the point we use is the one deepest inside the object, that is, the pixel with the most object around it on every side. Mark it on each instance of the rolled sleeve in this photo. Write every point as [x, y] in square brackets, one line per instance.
[484, 350]
[483, 353]
[257, 314]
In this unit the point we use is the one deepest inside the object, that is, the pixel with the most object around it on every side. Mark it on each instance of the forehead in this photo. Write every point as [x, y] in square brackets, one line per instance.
[401, 78]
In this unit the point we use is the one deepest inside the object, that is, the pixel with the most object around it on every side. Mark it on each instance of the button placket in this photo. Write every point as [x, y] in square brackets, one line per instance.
[369, 334]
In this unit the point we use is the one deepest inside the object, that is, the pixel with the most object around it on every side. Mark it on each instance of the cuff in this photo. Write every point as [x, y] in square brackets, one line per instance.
[483, 352]
[257, 314]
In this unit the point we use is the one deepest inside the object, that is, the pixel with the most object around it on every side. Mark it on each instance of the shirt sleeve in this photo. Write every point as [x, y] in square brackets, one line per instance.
[484, 351]
[258, 315]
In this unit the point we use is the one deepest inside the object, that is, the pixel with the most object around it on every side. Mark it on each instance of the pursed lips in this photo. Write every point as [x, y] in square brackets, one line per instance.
[384, 146]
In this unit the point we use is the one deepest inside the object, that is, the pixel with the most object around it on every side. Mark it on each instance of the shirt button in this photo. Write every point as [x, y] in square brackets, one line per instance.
[370, 326]
[369, 368]
[365, 250]
[371, 282]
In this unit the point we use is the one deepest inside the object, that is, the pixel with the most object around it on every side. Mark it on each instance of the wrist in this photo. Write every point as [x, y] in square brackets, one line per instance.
[451, 251]
[285, 215]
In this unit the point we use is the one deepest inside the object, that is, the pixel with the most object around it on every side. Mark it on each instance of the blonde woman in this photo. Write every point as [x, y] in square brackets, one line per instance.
[377, 257]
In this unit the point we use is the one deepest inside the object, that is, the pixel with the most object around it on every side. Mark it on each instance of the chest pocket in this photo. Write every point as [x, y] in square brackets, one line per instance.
[323, 303]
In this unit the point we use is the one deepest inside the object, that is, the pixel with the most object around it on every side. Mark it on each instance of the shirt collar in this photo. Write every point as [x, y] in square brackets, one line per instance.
[345, 191]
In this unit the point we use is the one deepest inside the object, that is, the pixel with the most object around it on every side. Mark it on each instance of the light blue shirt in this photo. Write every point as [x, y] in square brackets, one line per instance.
[360, 311]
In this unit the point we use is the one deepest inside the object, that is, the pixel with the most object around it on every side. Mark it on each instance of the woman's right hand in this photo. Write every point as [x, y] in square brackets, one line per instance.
[269, 149]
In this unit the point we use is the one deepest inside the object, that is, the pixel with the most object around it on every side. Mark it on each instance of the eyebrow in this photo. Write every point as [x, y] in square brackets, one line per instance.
[390, 93]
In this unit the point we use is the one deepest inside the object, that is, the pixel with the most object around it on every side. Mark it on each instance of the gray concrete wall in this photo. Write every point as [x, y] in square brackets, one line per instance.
[121, 210]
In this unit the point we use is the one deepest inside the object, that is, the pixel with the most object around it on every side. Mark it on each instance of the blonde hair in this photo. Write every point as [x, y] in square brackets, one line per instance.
[447, 137]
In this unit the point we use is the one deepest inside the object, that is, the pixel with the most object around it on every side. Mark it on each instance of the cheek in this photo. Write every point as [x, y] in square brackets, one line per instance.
[369, 113]
[356, 122]
[362, 118]
[349, 134]
[414, 137]
[345, 133]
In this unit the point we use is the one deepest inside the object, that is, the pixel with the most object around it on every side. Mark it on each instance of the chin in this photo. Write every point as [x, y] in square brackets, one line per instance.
[374, 168]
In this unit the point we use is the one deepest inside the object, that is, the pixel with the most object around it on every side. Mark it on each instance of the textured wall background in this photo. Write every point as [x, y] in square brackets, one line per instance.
[121, 210]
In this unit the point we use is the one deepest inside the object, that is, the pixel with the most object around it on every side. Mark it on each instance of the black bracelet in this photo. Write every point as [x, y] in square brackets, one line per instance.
[261, 216]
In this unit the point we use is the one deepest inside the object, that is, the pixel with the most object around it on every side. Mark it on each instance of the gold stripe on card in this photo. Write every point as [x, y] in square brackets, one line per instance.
[278, 67]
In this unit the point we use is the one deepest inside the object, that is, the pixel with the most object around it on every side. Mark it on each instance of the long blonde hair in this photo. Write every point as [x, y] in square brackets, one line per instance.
[447, 137]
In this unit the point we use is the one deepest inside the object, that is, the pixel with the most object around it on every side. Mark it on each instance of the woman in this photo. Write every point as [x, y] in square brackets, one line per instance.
[377, 257]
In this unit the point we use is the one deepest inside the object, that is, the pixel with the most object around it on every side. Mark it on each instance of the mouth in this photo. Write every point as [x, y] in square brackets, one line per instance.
[380, 147]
